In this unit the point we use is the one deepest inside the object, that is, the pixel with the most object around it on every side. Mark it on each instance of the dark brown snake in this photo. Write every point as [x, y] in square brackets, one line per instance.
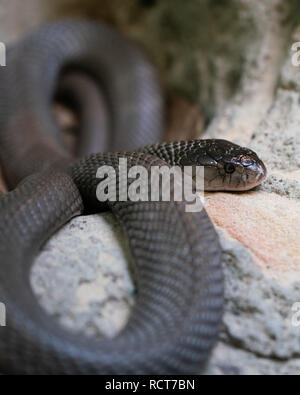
[177, 257]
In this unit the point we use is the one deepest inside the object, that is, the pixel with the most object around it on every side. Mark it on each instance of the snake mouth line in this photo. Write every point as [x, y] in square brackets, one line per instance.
[241, 180]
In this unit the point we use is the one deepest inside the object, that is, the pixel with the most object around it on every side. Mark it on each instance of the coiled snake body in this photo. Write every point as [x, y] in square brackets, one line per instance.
[176, 320]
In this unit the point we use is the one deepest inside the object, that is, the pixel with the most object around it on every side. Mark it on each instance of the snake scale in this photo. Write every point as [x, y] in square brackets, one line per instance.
[176, 320]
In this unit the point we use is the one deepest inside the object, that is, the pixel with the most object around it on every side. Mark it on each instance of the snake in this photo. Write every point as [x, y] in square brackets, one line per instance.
[177, 258]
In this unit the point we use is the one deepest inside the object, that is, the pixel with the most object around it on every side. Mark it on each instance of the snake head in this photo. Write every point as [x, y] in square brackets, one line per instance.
[227, 166]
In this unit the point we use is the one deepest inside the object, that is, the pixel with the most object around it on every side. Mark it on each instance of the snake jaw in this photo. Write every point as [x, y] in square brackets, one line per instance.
[247, 176]
[239, 169]
[251, 169]
[257, 172]
[227, 166]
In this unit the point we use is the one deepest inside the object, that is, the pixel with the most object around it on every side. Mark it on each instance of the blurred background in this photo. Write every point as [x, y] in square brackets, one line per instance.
[202, 48]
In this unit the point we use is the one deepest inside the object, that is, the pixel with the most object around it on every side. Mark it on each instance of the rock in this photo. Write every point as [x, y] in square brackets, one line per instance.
[82, 277]
[15, 22]
[269, 226]
[260, 239]
[258, 329]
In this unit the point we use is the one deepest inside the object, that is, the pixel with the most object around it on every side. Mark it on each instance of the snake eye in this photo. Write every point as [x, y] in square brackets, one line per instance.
[229, 168]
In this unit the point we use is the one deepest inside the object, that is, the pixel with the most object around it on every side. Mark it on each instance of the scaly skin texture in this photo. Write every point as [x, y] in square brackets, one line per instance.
[176, 319]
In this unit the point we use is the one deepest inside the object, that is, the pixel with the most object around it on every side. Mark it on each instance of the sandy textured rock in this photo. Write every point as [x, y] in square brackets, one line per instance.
[260, 239]
[232, 60]
[82, 276]
[269, 226]
[257, 336]
[16, 19]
